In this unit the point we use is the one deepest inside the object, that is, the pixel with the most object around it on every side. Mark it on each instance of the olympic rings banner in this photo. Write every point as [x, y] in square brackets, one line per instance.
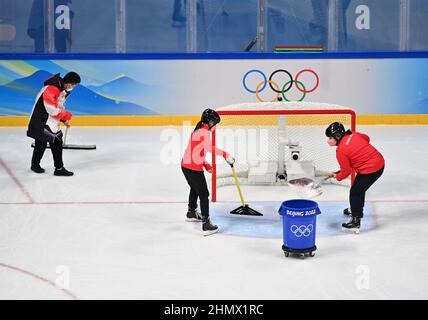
[276, 88]
[186, 87]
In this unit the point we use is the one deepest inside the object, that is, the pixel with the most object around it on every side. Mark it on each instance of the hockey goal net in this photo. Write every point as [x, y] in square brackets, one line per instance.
[274, 142]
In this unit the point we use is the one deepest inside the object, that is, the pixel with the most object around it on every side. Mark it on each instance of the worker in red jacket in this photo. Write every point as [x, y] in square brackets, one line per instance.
[354, 152]
[48, 112]
[193, 164]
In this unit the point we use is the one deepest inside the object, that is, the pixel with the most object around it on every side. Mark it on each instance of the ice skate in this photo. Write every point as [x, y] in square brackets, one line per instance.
[353, 225]
[208, 228]
[193, 216]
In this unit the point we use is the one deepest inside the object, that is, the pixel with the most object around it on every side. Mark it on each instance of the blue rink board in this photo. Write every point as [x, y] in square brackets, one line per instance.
[329, 222]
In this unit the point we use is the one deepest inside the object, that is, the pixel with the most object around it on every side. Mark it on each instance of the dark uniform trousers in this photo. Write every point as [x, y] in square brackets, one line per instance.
[357, 194]
[56, 148]
[198, 189]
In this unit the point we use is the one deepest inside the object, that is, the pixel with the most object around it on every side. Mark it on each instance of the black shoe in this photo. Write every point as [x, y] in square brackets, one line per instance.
[37, 168]
[193, 216]
[63, 172]
[208, 228]
[347, 212]
[353, 225]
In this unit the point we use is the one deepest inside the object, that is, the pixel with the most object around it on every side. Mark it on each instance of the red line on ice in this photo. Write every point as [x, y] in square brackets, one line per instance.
[17, 182]
[35, 276]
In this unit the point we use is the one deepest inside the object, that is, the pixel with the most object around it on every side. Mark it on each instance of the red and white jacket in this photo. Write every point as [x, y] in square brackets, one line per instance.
[54, 102]
[199, 144]
[49, 108]
[354, 151]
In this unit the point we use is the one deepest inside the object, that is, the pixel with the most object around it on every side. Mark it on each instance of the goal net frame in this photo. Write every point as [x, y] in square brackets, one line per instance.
[276, 112]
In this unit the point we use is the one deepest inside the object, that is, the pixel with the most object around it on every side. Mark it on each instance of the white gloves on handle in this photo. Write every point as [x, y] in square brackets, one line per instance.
[230, 160]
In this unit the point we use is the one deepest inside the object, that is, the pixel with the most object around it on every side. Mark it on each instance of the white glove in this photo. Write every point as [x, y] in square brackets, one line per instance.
[230, 160]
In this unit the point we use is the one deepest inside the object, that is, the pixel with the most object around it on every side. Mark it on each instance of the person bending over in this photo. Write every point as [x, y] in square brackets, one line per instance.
[48, 112]
[354, 152]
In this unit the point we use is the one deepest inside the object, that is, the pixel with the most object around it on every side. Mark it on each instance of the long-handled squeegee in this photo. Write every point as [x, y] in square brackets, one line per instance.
[244, 209]
[72, 146]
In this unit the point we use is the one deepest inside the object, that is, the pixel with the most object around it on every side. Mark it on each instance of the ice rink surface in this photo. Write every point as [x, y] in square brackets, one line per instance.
[117, 230]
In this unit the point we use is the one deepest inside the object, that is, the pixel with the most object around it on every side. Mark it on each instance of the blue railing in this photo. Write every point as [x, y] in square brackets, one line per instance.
[213, 56]
[215, 26]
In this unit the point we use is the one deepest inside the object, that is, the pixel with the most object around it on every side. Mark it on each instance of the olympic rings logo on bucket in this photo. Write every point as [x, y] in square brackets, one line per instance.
[302, 230]
[277, 88]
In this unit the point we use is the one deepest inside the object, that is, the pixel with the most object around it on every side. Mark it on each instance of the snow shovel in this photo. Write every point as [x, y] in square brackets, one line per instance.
[72, 146]
[244, 209]
[318, 184]
[307, 186]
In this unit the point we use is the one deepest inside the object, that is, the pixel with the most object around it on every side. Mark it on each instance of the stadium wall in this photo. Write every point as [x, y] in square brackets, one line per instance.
[167, 89]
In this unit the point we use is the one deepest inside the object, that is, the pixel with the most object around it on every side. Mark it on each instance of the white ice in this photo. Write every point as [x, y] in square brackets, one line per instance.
[116, 229]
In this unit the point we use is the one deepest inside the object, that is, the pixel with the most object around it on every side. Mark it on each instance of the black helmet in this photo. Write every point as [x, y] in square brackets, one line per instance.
[336, 130]
[71, 77]
[210, 117]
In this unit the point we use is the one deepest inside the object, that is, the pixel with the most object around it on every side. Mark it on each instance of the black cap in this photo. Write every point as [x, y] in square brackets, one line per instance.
[71, 77]
[210, 117]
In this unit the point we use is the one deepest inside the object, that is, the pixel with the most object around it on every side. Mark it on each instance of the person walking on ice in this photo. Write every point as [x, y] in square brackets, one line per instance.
[354, 152]
[48, 112]
[193, 164]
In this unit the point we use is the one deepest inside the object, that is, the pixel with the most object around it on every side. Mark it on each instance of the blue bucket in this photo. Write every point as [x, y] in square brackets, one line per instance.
[299, 223]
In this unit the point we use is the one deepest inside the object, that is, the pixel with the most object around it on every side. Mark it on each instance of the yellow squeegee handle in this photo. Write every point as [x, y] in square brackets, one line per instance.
[237, 184]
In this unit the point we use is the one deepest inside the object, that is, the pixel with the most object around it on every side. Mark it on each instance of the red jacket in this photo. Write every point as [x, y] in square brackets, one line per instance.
[354, 151]
[199, 144]
[52, 99]
[49, 108]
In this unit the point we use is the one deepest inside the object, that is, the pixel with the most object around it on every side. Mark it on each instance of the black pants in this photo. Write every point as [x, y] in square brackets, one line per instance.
[198, 189]
[357, 194]
[56, 148]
